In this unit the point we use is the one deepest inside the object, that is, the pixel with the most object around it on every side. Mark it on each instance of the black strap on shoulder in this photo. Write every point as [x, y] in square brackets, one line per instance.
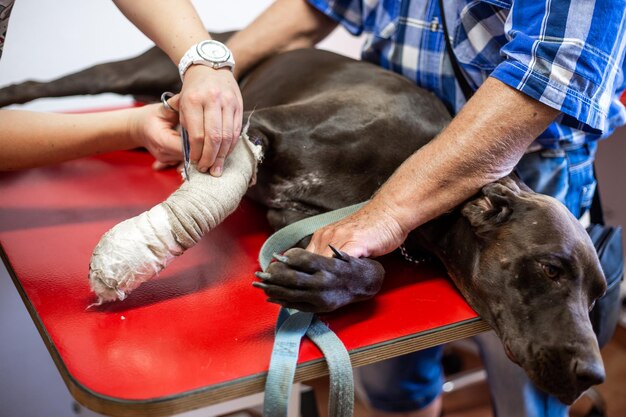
[596, 213]
[460, 77]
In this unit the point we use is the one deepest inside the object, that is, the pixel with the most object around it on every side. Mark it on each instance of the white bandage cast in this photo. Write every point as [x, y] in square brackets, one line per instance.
[137, 249]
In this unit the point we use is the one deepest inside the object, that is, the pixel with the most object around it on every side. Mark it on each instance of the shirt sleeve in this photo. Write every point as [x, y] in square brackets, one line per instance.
[348, 13]
[568, 54]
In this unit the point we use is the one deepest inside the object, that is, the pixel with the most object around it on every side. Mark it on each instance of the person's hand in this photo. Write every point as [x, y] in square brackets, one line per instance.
[370, 232]
[211, 111]
[323, 278]
[154, 128]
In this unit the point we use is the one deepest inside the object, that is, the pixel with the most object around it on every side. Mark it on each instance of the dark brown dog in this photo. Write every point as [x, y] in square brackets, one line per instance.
[333, 130]
[523, 262]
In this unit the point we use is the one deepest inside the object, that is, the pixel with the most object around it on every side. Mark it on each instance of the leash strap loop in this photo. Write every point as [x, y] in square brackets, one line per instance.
[341, 400]
[292, 325]
[283, 363]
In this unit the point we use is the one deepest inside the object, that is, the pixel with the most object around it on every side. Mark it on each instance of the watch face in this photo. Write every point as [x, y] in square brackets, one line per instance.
[213, 51]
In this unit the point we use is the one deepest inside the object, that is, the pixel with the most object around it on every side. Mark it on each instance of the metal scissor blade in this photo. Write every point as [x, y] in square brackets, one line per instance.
[186, 158]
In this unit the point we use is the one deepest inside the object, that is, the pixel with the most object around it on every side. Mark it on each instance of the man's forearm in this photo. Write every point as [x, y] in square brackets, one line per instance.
[174, 25]
[285, 25]
[483, 143]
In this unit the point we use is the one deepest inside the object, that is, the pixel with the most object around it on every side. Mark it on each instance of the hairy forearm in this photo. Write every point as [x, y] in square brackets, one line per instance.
[174, 25]
[483, 143]
[285, 25]
[29, 139]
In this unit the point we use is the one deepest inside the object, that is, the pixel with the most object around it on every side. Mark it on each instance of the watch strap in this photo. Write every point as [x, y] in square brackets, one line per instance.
[192, 56]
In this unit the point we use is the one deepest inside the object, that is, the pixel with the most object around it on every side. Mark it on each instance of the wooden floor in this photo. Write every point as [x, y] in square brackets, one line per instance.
[473, 401]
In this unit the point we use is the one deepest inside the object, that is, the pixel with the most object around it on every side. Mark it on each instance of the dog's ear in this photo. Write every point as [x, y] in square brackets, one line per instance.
[493, 207]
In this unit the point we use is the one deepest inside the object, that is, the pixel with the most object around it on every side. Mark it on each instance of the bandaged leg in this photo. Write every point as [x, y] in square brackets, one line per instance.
[137, 249]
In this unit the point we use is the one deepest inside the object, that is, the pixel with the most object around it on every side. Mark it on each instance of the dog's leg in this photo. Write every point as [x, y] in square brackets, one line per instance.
[137, 249]
[148, 74]
[310, 282]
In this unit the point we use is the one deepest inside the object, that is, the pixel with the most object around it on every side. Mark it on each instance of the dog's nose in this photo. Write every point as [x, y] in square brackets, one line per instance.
[588, 373]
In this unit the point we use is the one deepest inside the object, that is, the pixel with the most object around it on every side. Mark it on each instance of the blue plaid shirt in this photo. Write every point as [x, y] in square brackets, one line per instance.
[568, 54]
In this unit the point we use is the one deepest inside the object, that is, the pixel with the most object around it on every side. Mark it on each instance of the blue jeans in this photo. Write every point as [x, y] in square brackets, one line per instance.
[412, 381]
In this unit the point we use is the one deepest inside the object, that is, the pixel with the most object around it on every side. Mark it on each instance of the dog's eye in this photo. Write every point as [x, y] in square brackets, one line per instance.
[551, 271]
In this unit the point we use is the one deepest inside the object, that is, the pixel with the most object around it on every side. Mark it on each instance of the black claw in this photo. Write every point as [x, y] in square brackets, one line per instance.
[259, 285]
[338, 254]
[263, 275]
[280, 258]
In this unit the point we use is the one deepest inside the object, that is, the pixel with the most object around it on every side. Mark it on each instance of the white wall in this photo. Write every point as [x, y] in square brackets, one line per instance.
[48, 39]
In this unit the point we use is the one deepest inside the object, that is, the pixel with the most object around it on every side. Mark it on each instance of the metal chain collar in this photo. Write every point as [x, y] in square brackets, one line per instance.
[405, 255]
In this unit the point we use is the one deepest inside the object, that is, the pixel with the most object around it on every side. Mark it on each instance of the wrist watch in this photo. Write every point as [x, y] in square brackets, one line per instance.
[211, 53]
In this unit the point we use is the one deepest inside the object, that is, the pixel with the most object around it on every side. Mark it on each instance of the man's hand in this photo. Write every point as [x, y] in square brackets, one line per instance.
[211, 110]
[154, 128]
[320, 279]
[309, 282]
[370, 232]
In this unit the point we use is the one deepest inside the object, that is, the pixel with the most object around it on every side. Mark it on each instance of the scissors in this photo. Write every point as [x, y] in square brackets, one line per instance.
[183, 134]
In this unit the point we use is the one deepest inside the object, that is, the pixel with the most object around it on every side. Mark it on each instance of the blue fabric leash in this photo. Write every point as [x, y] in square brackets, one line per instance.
[283, 362]
[292, 325]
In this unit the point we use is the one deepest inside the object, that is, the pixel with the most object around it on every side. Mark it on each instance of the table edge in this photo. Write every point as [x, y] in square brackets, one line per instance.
[202, 397]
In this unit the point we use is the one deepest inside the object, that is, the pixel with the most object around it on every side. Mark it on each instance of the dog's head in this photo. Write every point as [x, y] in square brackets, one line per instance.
[535, 279]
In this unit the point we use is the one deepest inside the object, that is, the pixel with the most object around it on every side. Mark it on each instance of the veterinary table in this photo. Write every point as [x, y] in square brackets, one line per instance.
[198, 334]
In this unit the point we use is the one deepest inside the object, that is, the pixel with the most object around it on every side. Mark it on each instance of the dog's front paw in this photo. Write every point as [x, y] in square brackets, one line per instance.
[309, 282]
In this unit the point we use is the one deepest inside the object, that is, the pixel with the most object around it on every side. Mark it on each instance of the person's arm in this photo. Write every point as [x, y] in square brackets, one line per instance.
[483, 143]
[285, 25]
[174, 25]
[210, 103]
[30, 139]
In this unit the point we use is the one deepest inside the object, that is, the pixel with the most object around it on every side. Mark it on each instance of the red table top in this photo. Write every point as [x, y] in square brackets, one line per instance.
[199, 333]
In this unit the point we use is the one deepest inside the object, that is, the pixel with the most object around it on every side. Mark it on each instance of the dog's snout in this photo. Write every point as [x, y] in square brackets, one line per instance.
[588, 372]
[567, 373]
